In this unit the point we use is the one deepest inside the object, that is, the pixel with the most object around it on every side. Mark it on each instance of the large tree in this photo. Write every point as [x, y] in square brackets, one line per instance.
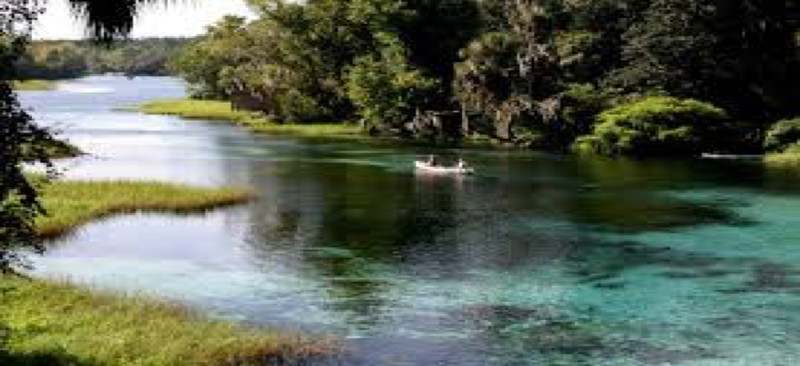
[511, 75]
[20, 141]
[738, 54]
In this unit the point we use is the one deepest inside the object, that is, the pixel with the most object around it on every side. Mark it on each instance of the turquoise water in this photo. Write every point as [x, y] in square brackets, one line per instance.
[537, 260]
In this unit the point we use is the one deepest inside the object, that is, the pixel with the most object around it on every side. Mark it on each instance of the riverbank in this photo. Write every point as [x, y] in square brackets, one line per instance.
[58, 323]
[34, 85]
[55, 323]
[222, 111]
[70, 204]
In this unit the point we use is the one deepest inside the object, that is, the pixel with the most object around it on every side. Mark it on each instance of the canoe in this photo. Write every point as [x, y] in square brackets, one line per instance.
[730, 156]
[424, 167]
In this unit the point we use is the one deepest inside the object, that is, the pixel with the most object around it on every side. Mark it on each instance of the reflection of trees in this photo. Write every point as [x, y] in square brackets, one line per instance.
[353, 229]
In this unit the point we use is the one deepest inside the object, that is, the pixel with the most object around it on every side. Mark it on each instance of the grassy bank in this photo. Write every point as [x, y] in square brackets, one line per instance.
[34, 84]
[71, 204]
[222, 111]
[57, 324]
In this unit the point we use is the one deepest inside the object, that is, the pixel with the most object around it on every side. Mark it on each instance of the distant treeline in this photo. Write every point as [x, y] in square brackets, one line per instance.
[614, 77]
[70, 59]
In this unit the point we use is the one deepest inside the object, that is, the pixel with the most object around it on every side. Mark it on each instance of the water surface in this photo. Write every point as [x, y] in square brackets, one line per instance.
[537, 260]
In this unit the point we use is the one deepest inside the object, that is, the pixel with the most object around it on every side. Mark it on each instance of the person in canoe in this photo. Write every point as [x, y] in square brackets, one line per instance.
[432, 161]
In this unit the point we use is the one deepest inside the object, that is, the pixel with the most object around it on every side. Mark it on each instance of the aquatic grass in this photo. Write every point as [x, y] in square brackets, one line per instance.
[34, 85]
[72, 203]
[214, 110]
[56, 323]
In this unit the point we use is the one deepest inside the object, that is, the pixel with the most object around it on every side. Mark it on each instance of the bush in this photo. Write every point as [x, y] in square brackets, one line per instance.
[657, 126]
[580, 105]
[782, 135]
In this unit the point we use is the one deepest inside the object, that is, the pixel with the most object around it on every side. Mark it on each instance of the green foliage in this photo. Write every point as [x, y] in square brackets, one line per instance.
[656, 126]
[782, 135]
[789, 158]
[512, 75]
[580, 104]
[202, 62]
[21, 141]
[511, 66]
[305, 62]
[386, 89]
[70, 59]
[737, 54]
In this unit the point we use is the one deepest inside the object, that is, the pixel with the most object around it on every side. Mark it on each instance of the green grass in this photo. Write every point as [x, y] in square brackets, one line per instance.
[221, 111]
[34, 84]
[214, 110]
[55, 149]
[70, 204]
[58, 324]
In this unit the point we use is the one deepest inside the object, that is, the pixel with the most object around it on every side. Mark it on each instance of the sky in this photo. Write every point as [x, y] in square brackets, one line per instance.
[179, 19]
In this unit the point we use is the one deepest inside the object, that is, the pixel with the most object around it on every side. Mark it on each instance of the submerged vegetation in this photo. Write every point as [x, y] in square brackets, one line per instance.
[543, 73]
[55, 324]
[73, 203]
[214, 110]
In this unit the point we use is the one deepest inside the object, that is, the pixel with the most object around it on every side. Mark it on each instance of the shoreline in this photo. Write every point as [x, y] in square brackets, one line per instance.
[51, 322]
[215, 111]
[38, 313]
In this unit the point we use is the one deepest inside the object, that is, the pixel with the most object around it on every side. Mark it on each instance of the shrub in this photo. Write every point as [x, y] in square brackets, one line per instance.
[657, 126]
[580, 105]
[782, 135]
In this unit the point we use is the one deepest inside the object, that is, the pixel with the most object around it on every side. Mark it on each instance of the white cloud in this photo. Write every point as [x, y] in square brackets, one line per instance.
[179, 18]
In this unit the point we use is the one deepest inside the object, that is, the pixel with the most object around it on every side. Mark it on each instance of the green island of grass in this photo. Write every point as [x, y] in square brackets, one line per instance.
[72, 203]
[34, 85]
[49, 323]
[213, 110]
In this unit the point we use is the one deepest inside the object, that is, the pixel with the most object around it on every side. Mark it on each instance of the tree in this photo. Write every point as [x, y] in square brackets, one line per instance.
[511, 75]
[387, 89]
[202, 62]
[734, 53]
[20, 140]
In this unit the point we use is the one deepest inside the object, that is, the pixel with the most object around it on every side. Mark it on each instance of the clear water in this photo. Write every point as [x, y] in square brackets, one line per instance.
[537, 260]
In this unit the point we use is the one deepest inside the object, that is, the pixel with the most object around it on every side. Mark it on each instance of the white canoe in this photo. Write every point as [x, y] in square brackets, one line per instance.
[423, 166]
[730, 156]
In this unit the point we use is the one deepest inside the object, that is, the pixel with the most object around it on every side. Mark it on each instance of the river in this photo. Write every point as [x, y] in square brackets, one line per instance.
[538, 259]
